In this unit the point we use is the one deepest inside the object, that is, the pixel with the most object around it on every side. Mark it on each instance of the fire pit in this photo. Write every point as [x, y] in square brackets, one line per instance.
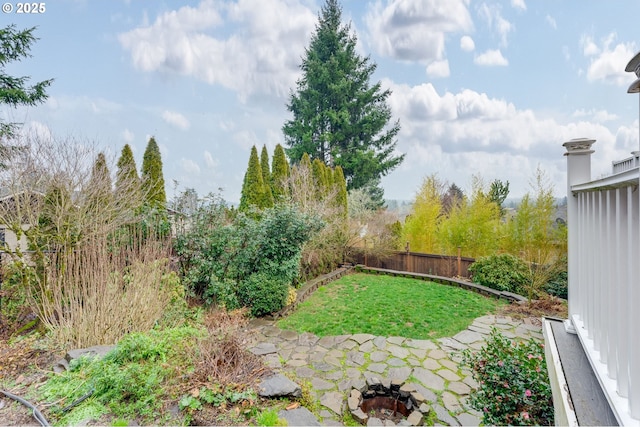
[391, 402]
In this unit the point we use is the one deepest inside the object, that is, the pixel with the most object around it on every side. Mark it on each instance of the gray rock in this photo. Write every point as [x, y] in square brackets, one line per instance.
[360, 416]
[373, 421]
[299, 417]
[278, 386]
[467, 419]
[377, 367]
[378, 356]
[444, 416]
[95, 351]
[401, 374]
[380, 342]
[320, 384]
[264, 348]
[333, 400]
[362, 338]
[356, 357]
[467, 336]
[305, 372]
[61, 365]
[428, 379]
[307, 339]
[289, 335]
[399, 352]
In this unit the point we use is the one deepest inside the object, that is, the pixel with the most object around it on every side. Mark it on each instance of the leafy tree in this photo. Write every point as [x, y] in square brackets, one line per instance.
[472, 225]
[498, 192]
[14, 91]
[536, 237]
[421, 225]
[266, 176]
[152, 177]
[279, 173]
[320, 178]
[253, 188]
[338, 116]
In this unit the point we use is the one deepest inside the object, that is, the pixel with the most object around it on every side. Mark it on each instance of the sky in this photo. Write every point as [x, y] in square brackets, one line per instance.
[485, 88]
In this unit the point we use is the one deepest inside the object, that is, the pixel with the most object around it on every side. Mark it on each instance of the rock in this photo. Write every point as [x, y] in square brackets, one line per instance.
[299, 417]
[278, 386]
[373, 421]
[353, 402]
[95, 351]
[61, 365]
[264, 348]
[415, 418]
[360, 416]
[333, 400]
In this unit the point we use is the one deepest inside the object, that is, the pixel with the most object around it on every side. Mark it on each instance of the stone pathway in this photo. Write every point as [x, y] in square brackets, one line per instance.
[332, 365]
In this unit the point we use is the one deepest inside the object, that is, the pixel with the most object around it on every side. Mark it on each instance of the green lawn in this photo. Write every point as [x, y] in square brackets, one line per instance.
[388, 306]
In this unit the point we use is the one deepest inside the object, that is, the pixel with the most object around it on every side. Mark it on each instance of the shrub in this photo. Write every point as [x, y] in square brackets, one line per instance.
[558, 285]
[263, 294]
[513, 385]
[14, 306]
[503, 272]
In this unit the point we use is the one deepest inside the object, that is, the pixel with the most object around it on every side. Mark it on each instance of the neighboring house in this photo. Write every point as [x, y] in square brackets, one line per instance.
[594, 356]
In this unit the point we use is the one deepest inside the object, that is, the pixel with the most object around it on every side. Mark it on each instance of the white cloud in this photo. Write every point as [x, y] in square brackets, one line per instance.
[607, 63]
[551, 21]
[472, 132]
[491, 58]
[492, 15]
[261, 56]
[438, 69]
[176, 119]
[599, 116]
[415, 30]
[519, 4]
[128, 136]
[189, 166]
[467, 44]
[209, 160]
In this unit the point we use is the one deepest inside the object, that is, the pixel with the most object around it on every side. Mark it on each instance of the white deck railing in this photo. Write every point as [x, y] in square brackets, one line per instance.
[604, 255]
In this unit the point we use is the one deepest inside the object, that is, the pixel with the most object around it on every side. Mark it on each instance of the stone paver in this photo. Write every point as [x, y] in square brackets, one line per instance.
[429, 368]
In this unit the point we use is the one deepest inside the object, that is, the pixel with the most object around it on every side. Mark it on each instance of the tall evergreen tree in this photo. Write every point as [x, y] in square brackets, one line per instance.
[100, 191]
[14, 46]
[253, 189]
[127, 179]
[266, 176]
[341, 197]
[152, 177]
[279, 173]
[338, 116]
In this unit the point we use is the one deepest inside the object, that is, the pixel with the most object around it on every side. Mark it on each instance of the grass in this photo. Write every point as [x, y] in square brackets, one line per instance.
[388, 306]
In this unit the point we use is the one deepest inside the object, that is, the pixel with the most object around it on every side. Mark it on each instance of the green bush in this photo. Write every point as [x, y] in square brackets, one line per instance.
[513, 385]
[227, 256]
[503, 272]
[263, 294]
[14, 305]
[558, 285]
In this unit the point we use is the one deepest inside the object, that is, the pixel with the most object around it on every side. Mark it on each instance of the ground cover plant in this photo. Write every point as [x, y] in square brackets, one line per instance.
[388, 306]
[513, 384]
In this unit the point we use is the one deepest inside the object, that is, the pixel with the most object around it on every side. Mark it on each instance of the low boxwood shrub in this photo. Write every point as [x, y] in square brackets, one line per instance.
[503, 272]
[513, 385]
[263, 294]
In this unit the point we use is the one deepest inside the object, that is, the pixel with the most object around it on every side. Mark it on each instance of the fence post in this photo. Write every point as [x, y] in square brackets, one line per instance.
[459, 262]
[406, 257]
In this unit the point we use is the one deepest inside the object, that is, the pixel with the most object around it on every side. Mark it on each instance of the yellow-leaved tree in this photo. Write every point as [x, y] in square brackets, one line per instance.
[420, 227]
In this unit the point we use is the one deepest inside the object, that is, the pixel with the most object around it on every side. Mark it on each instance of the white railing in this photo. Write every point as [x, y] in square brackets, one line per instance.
[604, 255]
[626, 164]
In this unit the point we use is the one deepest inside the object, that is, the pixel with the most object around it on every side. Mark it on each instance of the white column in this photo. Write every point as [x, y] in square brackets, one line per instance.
[578, 171]
[623, 339]
[633, 301]
[610, 293]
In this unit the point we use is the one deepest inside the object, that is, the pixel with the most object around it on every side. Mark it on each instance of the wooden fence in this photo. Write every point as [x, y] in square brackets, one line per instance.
[414, 262]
